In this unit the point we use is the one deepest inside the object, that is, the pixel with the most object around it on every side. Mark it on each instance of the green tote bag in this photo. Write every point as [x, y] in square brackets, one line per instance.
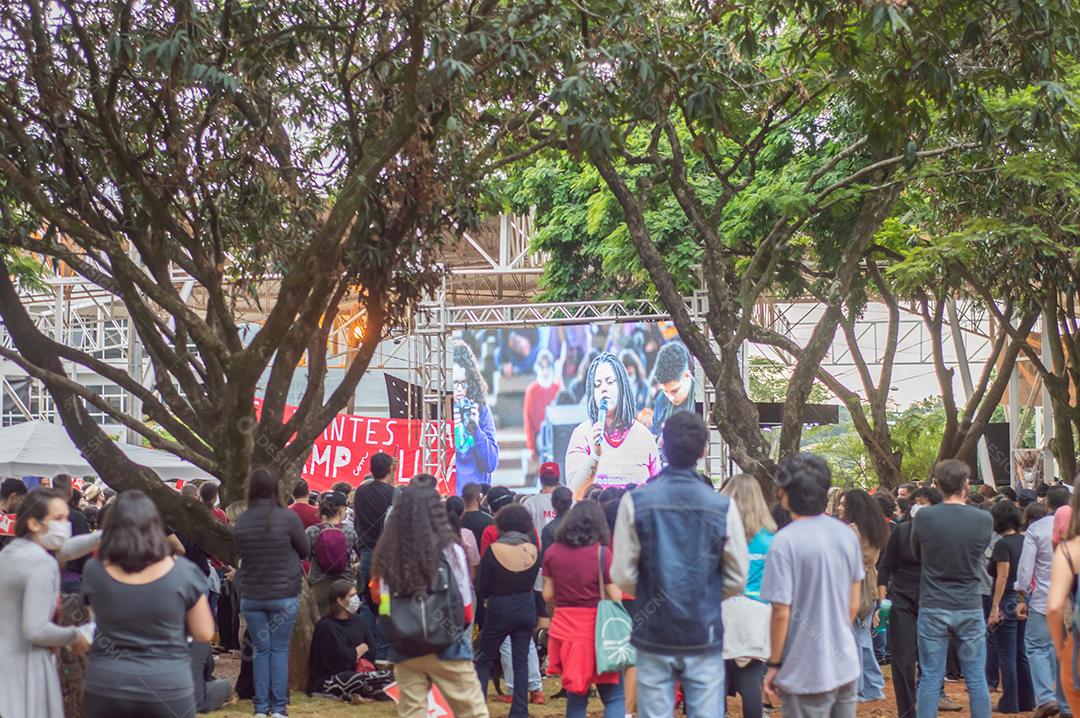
[614, 654]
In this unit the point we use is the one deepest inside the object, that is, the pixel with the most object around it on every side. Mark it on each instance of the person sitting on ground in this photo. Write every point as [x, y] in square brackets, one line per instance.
[210, 693]
[341, 650]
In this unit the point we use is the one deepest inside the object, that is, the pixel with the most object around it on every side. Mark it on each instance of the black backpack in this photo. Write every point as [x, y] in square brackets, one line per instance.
[429, 622]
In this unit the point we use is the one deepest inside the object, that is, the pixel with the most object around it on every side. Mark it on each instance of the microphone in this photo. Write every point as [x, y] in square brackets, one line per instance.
[604, 408]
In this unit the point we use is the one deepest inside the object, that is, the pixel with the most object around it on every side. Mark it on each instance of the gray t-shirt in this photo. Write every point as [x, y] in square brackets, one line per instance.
[813, 563]
[141, 648]
[950, 541]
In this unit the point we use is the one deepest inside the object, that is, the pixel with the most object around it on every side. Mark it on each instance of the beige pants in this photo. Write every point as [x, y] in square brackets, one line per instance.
[456, 679]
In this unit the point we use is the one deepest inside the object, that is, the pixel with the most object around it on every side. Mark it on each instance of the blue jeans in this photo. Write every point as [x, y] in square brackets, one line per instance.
[270, 623]
[611, 694]
[968, 628]
[1017, 694]
[702, 679]
[993, 672]
[380, 648]
[871, 682]
[536, 682]
[1043, 661]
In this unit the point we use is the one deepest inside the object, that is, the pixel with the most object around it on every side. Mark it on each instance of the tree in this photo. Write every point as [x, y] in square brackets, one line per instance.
[284, 157]
[785, 132]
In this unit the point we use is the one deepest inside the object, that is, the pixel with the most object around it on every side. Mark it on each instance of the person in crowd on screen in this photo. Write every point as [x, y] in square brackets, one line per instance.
[475, 518]
[562, 499]
[950, 540]
[145, 604]
[455, 511]
[813, 579]
[508, 571]
[538, 396]
[29, 593]
[71, 573]
[572, 584]
[308, 513]
[746, 617]
[1032, 587]
[475, 444]
[1059, 610]
[611, 446]
[639, 383]
[271, 542]
[676, 543]
[1017, 693]
[342, 649]
[333, 548]
[416, 539]
[899, 574]
[859, 510]
[211, 693]
[674, 379]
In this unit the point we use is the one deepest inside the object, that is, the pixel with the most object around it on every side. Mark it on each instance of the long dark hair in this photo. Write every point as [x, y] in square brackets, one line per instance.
[584, 525]
[862, 511]
[263, 485]
[35, 506]
[133, 536]
[455, 509]
[626, 408]
[477, 388]
[417, 530]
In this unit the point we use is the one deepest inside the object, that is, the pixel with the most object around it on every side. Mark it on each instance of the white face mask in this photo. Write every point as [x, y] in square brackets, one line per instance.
[56, 535]
[354, 604]
[915, 509]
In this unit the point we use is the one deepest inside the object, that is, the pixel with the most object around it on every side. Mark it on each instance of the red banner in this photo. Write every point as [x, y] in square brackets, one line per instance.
[344, 449]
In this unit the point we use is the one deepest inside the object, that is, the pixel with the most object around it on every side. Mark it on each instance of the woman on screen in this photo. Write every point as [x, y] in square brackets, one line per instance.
[610, 446]
[476, 449]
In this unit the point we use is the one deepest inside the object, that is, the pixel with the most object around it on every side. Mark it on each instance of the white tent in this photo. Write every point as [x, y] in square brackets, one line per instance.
[38, 448]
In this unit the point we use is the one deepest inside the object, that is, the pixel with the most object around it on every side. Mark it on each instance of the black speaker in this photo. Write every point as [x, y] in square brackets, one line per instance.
[560, 420]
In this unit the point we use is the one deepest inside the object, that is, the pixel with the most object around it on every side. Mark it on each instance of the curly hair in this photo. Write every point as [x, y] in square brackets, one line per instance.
[862, 511]
[417, 530]
[515, 518]
[584, 525]
[477, 387]
[625, 410]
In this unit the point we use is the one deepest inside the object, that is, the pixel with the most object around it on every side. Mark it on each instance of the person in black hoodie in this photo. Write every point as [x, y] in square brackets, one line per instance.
[341, 647]
[271, 543]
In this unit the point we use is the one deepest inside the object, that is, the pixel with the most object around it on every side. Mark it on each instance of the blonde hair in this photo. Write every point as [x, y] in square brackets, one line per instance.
[745, 491]
[832, 508]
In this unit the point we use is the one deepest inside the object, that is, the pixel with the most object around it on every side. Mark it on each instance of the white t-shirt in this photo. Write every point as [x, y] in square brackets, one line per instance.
[539, 505]
[634, 461]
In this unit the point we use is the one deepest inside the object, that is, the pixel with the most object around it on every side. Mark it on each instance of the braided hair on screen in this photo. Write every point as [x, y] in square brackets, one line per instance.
[625, 409]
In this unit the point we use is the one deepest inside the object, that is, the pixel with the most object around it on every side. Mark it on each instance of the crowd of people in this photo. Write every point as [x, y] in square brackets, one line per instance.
[667, 594]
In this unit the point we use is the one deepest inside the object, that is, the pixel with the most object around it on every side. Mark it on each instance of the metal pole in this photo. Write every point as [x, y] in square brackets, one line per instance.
[962, 364]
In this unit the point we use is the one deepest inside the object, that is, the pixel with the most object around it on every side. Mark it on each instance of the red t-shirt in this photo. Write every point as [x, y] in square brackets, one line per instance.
[574, 572]
[536, 403]
[491, 535]
[309, 515]
[219, 515]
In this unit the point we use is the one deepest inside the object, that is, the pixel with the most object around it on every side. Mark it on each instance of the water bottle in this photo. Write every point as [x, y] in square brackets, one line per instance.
[883, 615]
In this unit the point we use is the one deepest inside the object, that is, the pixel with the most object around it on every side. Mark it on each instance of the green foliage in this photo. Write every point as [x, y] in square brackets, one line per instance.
[768, 381]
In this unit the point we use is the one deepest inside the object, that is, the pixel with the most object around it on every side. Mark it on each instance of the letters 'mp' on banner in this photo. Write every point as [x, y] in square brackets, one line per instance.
[342, 452]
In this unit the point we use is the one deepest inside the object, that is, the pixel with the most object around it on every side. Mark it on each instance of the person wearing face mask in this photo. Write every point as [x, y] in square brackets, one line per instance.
[333, 545]
[341, 649]
[29, 590]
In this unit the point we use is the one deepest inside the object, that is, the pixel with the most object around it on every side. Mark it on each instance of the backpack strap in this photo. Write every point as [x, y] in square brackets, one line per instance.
[600, 569]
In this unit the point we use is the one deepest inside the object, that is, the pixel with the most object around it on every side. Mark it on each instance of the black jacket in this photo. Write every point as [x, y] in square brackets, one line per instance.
[272, 543]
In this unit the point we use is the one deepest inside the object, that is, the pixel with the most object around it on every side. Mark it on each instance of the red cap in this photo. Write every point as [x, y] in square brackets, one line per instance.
[549, 468]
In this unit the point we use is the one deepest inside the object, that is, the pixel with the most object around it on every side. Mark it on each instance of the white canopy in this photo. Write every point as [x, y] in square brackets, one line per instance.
[38, 448]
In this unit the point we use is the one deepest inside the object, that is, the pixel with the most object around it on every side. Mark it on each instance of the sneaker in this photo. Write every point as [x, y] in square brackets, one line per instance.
[262, 715]
[278, 715]
[948, 705]
[1046, 710]
[537, 698]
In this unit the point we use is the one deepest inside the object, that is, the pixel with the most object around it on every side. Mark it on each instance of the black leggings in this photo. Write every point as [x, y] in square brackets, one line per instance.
[96, 706]
[746, 682]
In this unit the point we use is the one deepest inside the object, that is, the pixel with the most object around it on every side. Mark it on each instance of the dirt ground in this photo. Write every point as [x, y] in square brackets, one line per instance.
[228, 666]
